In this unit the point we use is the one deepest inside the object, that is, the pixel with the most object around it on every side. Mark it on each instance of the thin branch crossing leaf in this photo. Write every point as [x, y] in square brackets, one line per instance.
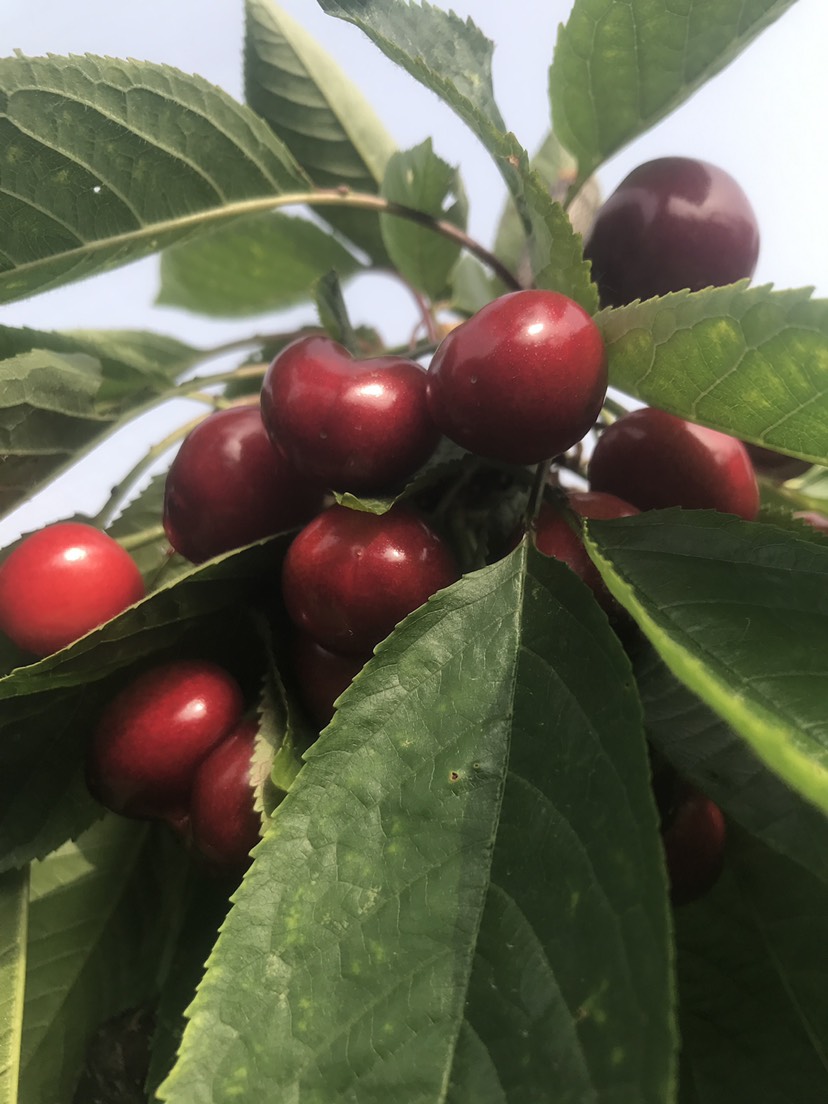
[14, 920]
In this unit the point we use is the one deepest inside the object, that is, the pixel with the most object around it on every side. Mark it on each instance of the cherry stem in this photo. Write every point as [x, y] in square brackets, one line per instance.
[142, 538]
[108, 511]
[536, 494]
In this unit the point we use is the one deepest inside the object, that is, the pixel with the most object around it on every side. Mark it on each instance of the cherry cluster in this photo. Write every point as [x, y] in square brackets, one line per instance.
[174, 745]
[521, 382]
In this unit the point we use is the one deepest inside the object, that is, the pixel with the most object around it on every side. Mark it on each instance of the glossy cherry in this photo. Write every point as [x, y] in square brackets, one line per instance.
[520, 381]
[349, 577]
[155, 732]
[673, 223]
[322, 675]
[693, 835]
[355, 425]
[224, 826]
[62, 582]
[555, 536]
[229, 485]
[654, 459]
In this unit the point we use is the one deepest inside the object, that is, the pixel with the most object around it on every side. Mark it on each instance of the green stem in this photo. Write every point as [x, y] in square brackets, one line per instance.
[142, 538]
[536, 494]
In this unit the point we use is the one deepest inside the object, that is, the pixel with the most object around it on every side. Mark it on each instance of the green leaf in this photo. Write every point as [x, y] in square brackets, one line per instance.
[707, 751]
[453, 58]
[14, 919]
[320, 115]
[205, 910]
[50, 707]
[752, 983]
[104, 161]
[739, 613]
[333, 311]
[752, 362]
[154, 558]
[100, 921]
[420, 179]
[259, 264]
[621, 65]
[472, 836]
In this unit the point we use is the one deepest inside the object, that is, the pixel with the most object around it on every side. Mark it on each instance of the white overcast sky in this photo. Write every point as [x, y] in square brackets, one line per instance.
[763, 120]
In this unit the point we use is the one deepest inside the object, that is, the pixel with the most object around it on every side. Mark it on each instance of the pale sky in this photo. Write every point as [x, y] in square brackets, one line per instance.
[763, 120]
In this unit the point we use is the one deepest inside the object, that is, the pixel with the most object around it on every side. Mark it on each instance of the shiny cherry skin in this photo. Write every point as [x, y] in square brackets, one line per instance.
[154, 733]
[693, 836]
[554, 536]
[775, 465]
[522, 380]
[355, 425]
[224, 827]
[322, 675]
[228, 485]
[654, 459]
[62, 582]
[673, 223]
[349, 577]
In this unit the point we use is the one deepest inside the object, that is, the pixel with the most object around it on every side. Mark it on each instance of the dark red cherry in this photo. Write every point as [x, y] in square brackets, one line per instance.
[355, 425]
[693, 836]
[520, 381]
[349, 576]
[62, 582]
[155, 732]
[223, 823]
[673, 223]
[228, 485]
[654, 459]
[555, 536]
[322, 675]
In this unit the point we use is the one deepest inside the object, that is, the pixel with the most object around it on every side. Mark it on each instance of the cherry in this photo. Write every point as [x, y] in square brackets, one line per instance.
[229, 486]
[775, 465]
[693, 835]
[673, 223]
[155, 732]
[357, 425]
[349, 576]
[224, 826]
[555, 536]
[322, 675]
[654, 459]
[62, 582]
[520, 381]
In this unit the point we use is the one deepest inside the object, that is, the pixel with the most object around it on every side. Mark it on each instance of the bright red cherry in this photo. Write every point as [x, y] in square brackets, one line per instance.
[356, 425]
[229, 485]
[554, 536]
[62, 582]
[520, 381]
[322, 675]
[154, 734]
[673, 223]
[654, 459]
[349, 577]
[693, 835]
[224, 826]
